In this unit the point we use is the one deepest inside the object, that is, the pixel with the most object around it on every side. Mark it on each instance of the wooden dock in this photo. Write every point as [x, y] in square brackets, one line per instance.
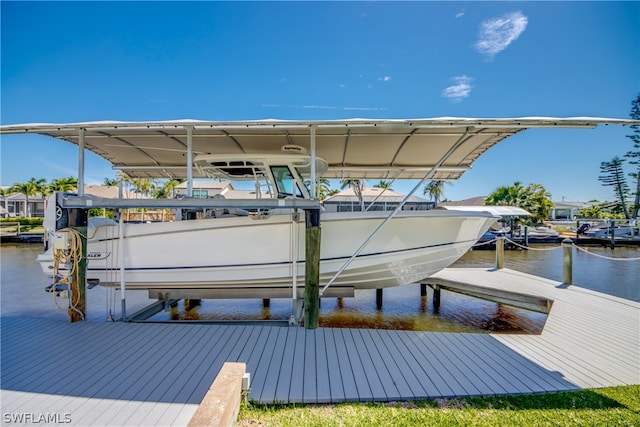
[156, 374]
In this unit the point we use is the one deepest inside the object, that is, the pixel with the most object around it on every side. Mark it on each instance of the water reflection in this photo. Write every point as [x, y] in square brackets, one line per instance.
[22, 287]
[403, 309]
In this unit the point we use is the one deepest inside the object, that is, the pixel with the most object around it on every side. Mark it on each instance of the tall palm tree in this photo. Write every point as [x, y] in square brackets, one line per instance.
[358, 186]
[31, 188]
[435, 190]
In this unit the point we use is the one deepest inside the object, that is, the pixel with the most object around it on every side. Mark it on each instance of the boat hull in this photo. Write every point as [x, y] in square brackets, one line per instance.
[244, 252]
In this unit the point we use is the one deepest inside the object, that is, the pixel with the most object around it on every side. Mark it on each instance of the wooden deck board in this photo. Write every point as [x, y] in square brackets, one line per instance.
[323, 383]
[269, 388]
[346, 372]
[395, 374]
[415, 373]
[309, 383]
[297, 367]
[155, 374]
[285, 372]
[373, 367]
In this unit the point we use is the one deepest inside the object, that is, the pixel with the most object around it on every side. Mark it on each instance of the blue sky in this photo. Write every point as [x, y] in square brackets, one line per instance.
[83, 61]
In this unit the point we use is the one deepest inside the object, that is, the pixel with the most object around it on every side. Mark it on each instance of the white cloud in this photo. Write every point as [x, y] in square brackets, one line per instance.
[460, 90]
[459, 15]
[384, 79]
[498, 33]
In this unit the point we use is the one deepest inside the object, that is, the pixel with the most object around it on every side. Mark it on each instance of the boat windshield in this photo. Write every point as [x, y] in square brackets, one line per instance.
[286, 183]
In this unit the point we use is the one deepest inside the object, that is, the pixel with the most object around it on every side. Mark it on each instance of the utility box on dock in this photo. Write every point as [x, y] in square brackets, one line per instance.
[61, 240]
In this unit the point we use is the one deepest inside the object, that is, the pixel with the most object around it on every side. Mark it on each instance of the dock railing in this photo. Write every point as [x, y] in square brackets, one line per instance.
[10, 228]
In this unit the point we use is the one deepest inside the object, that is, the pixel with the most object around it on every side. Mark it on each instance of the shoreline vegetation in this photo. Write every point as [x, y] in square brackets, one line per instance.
[611, 406]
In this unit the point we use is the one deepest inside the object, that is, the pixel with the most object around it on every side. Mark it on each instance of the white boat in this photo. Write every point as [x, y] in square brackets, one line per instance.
[233, 252]
[253, 255]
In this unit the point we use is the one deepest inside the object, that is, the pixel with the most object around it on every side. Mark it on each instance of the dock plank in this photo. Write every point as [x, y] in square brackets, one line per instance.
[347, 376]
[323, 384]
[285, 372]
[309, 383]
[360, 373]
[270, 386]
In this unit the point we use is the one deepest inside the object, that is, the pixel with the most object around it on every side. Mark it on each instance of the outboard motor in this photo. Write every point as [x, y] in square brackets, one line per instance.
[584, 228]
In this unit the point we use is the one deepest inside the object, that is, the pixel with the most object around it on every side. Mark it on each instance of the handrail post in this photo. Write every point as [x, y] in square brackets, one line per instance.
[499, 252]
[567, 262]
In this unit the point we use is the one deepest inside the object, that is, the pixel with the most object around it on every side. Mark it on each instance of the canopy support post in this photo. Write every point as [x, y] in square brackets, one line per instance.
[81, 162]
[189, 161]
[123, 283]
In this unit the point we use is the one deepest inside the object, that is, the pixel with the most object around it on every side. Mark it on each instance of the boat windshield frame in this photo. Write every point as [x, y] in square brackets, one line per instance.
[283, 174]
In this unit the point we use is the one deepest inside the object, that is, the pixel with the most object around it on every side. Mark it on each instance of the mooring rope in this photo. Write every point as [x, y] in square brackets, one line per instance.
[485, 243]
[604, 257]
[530, 248]
[72, 258]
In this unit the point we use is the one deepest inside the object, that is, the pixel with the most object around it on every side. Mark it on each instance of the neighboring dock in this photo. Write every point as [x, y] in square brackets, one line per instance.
[157, 374]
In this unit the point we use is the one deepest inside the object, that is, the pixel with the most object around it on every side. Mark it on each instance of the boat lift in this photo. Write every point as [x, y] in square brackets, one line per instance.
[423, 149]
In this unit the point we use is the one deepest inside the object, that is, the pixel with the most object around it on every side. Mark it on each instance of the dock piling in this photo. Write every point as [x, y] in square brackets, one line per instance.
[312, 269]
[567, 261]
[499, 252]
[423, 289]
[379, 299]
[436, 297]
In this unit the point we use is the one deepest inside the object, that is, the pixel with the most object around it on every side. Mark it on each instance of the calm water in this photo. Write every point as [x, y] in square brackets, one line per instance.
[22, 293]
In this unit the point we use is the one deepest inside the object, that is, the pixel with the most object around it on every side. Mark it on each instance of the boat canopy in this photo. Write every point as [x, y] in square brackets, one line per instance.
[353, 149]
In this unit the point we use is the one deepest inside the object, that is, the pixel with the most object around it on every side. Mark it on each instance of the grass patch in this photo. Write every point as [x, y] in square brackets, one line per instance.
[613, 406]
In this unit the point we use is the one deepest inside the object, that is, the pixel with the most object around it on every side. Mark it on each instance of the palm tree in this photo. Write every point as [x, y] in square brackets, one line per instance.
[435, 190]
[143, 185]
[63, 184]
[166, 191]
[533, 198]
[33, 187]
[111, 182]
[323, 188]
[507, 195]
[358, 186]
[383, 184]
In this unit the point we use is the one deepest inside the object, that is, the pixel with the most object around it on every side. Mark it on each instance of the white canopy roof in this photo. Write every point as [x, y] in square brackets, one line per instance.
[356, 148]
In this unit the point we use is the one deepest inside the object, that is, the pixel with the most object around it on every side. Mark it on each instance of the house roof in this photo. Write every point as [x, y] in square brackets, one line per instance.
[370, 194]
[110, 192]
[355, 148]
[473, 201]
[209, 185]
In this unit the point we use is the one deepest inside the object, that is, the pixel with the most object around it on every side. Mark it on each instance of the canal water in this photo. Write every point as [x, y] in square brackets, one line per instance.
[22, 294]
